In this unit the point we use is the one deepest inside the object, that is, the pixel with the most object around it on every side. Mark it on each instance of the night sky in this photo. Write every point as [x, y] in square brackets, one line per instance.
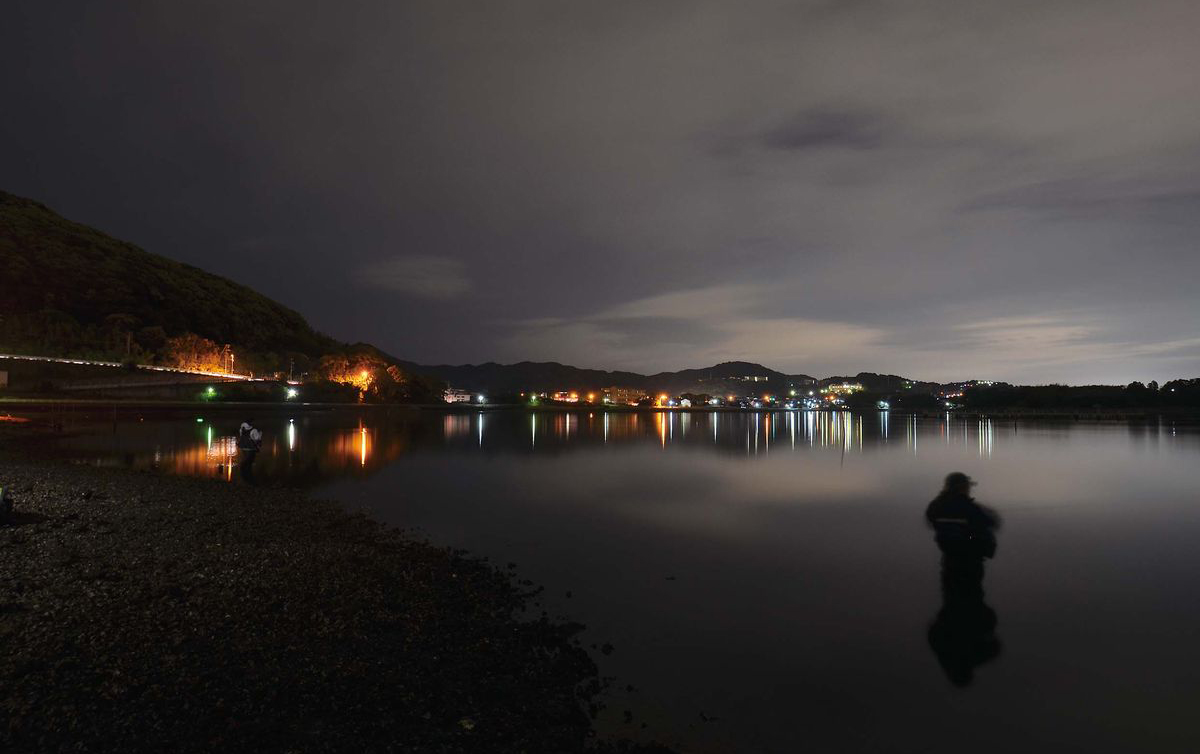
[1005, 190]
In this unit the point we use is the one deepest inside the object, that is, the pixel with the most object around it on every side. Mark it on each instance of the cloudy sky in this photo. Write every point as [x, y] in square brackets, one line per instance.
[944, 189]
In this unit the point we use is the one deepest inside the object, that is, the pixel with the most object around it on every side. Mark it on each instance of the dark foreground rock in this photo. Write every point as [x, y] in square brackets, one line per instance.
[142, 613]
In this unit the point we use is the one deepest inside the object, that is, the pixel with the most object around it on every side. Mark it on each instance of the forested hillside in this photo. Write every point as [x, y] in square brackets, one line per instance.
[70, 289]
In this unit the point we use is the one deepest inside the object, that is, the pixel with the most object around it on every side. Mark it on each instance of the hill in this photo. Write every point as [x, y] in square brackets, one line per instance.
[71, 289]
[526, 375]
[740, 377]
[493, 378]
[882, 383]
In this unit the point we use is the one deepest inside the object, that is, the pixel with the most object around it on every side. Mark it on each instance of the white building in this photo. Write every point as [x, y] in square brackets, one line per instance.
[453, 395]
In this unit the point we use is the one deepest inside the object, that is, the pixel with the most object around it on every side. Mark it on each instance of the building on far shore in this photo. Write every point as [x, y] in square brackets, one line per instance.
[623, 396]
[844, 388]
[453, 395]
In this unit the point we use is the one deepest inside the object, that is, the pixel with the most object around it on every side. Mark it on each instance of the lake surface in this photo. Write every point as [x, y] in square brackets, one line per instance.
[767, 579]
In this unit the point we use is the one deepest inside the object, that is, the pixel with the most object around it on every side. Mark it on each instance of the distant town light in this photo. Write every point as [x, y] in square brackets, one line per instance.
[292, 393]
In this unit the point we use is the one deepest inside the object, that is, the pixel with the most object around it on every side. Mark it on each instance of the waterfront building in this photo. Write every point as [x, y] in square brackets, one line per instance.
[623, 396]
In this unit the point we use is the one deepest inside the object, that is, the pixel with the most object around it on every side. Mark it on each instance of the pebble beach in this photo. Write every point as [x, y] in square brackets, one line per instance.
[140, 612]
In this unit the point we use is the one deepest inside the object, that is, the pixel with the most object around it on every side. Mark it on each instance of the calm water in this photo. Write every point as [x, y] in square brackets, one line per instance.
[767, 579]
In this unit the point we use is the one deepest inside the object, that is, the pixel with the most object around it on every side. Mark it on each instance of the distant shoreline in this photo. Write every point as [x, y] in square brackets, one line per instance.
[42, 405]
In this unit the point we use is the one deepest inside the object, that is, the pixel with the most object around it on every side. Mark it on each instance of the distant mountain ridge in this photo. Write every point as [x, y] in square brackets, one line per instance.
[729, 376]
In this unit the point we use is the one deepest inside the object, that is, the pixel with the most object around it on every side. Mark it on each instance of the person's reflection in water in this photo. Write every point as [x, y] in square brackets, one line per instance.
[963, 634]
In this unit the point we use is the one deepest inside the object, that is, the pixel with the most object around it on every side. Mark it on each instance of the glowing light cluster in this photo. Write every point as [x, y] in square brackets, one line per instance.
[358, 375]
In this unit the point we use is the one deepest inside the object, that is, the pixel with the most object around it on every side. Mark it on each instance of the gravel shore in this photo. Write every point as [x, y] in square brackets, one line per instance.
[148, 613]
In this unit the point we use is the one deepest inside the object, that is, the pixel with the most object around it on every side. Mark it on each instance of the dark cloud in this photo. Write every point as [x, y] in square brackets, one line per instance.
[936, 187]
[823, 129]
[1083, 198]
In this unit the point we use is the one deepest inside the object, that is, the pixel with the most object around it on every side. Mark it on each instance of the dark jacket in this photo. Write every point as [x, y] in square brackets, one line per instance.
[249, 438]
[962, 526]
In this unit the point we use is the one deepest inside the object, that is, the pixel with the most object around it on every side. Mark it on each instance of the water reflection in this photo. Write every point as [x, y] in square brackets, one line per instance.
[455, 425]
[963, 635]
[300, 449]
[987, 437]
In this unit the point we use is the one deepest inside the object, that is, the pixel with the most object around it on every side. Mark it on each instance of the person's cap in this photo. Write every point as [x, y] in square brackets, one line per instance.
[959, 479]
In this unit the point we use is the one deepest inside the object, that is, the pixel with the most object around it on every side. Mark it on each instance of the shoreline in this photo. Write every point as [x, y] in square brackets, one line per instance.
[46, 405]
[146, 612]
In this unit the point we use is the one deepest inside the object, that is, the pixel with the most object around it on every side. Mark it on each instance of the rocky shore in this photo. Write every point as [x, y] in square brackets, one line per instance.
[146, 613]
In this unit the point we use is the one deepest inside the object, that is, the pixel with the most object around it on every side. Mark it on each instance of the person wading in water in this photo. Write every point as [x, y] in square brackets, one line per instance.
[249, 443]
[963, 634]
